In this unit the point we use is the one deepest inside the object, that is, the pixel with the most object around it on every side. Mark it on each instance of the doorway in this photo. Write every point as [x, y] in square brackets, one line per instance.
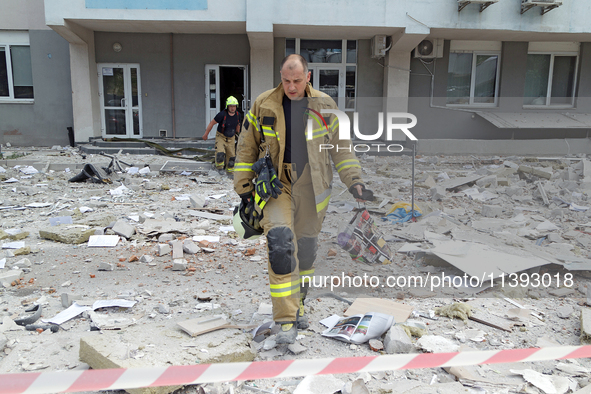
[221, 82]
[121, 100]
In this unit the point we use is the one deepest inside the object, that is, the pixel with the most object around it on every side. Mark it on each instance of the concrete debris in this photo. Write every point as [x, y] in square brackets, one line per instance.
[397, 341]
[123, 229]
[179, 265]
[66, 233]
[585, 326]
[296, 348]
[356, 387]
[319, 384]
[197, 201]
[146, 259]
[103, 266]
[198, 287]
[436, 344]
[163, 249]
[177, 250]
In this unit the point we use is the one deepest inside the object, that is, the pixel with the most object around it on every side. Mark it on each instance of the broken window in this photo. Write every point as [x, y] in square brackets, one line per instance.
[16, 76]
[550, 79]
[472, 78]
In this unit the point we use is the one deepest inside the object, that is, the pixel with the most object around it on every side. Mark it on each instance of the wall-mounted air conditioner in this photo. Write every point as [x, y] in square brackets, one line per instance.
[484, 4]
[546, 5]
[378, 46]
[429, 48]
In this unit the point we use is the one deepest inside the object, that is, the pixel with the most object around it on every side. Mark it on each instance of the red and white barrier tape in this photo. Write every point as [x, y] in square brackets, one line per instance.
[116, 379]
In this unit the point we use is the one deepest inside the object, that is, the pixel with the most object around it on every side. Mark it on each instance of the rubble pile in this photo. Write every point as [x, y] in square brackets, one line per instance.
[146, 270]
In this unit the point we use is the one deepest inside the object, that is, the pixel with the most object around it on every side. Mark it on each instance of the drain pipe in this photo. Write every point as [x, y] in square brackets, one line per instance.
[172, 88]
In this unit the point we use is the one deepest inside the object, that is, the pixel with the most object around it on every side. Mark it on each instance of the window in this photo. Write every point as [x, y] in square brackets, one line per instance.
[550, 79]
[16, 76]
[472, 78]
[333, 67]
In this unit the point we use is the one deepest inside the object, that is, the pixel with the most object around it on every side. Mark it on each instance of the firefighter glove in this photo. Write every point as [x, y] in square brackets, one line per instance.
[267, 185]
[366, 194]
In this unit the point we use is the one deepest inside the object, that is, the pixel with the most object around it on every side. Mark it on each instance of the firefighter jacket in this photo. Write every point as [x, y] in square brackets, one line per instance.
[264, 130]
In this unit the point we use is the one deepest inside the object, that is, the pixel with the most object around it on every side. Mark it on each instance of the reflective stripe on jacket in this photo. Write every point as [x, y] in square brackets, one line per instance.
[264, 128]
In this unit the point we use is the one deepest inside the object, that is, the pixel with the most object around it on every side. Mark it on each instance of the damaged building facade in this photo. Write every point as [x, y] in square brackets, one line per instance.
[468, 69]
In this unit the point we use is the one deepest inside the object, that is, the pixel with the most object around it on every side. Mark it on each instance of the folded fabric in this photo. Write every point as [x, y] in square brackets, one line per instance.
[400, 215]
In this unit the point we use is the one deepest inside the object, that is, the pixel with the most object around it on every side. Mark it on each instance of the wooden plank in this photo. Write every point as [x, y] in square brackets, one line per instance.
[401, 312]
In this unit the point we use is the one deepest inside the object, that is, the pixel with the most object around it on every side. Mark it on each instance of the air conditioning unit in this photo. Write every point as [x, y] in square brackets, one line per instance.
[546, 5]
[429, 48]
[378, 46]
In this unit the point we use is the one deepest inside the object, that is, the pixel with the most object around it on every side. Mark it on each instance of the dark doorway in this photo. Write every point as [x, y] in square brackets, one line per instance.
[232, 84]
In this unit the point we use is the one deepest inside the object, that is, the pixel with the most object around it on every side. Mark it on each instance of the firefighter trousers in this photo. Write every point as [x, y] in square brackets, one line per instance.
[225, 152]
[291, 225]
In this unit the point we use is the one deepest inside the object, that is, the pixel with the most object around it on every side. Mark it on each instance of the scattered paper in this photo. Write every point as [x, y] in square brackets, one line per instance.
[208, 238]
[110, 303]
[119, 191]
[144, 170]
[105, 241]
[2, 262]
[182, 197]
[216, 196]
[330, 321]
[227, 229]
[11, 180]
[14, 245]
[132, 170]
[85, 209]
[186, 173]
[28, 170]
[65, 315]
[38, 205]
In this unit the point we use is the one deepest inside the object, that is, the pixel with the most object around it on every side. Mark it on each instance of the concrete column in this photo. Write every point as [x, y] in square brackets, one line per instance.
[261, 63]
[397, 72]
[85, 98]
[259, 14]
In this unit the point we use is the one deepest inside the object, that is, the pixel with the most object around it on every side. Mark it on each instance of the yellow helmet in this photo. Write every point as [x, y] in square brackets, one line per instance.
[231, 101]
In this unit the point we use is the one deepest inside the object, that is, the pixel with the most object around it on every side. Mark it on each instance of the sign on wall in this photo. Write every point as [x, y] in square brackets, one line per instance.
[148, 4]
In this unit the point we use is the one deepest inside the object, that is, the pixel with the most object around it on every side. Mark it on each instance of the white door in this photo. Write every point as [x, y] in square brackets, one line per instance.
[218, 87]
[329, 79]
[121, 100]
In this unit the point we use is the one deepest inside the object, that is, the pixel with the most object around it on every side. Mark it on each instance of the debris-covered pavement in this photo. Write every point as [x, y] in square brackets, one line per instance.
[145, 269]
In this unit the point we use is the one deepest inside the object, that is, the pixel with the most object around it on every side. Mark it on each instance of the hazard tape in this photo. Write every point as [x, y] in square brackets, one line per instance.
[117, 379]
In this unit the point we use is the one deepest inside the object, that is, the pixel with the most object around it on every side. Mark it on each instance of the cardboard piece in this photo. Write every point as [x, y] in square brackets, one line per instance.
[206, 324]
[401, 312]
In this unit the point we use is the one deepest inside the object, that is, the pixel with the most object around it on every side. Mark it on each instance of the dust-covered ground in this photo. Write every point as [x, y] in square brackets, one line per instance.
[518, 215]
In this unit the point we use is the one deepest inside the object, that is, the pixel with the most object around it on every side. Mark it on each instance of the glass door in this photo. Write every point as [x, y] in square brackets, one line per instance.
[329, 80]
[120, 92]
[212, 98]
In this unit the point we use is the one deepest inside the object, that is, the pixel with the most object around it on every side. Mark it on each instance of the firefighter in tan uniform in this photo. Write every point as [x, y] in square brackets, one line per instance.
[228, 122]
[275, 129]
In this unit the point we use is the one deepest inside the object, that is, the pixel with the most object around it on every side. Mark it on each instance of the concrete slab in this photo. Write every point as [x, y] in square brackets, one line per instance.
[171, 346]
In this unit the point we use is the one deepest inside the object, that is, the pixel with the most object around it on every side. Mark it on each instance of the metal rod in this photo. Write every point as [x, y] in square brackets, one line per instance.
[412, 205]
[172, 87]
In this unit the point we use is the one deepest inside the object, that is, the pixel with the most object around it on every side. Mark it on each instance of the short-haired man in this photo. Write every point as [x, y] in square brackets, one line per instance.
[228, 122]
[276, 126]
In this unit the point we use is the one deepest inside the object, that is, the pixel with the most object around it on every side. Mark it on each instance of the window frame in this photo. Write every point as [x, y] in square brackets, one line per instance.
[10, 98]
[341, 67]
[548, 104]
[475, 54]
